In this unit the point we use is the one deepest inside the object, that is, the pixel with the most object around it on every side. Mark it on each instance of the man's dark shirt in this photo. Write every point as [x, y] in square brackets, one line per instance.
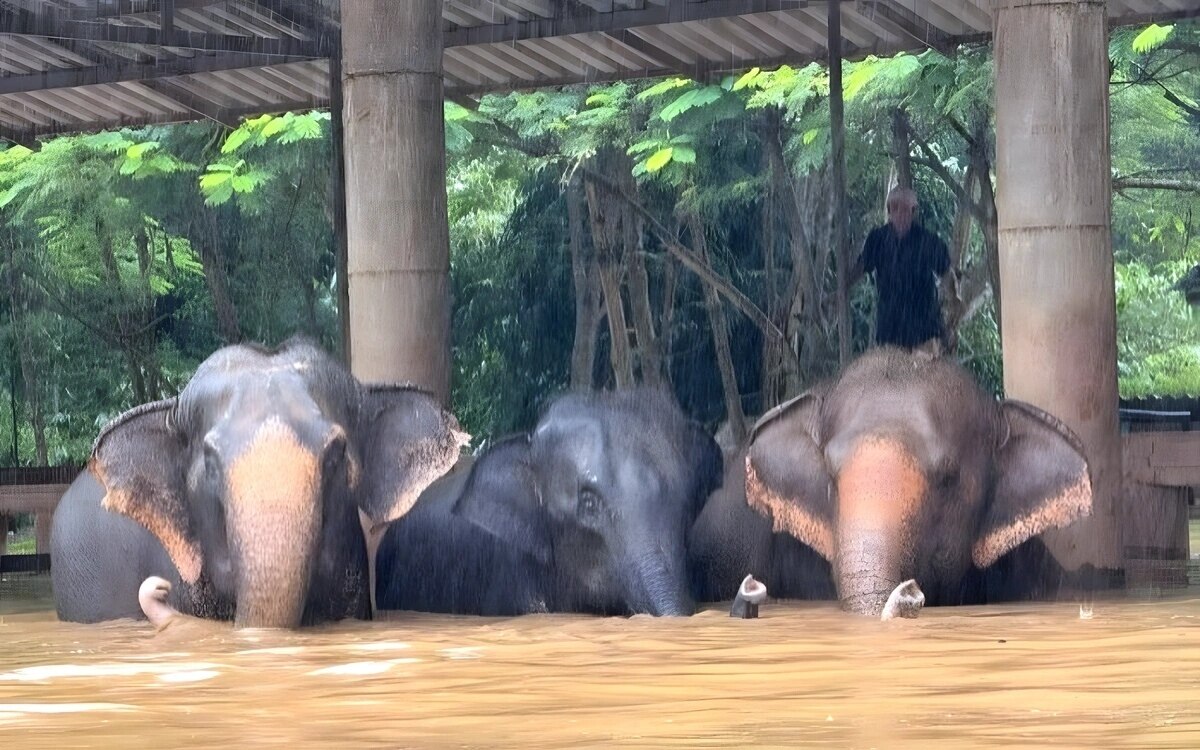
[908, 313]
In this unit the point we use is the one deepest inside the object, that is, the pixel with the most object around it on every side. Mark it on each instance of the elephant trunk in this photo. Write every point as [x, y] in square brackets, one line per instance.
[273, 519]
[660, 581]
[880, 489]
[867, 571]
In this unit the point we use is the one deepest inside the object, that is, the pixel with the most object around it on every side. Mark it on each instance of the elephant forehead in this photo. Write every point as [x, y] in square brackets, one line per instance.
[880, 482]
[257, 394]
[275, 467]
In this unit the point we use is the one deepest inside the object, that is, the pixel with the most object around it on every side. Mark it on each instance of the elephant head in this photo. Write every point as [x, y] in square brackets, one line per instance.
[904, 468]
[601, 495]
[253, 477]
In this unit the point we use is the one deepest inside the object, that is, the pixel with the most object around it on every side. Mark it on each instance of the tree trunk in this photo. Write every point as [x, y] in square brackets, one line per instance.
[587, 293]
[667, 318]
[954, 306]
[144, 338]
[988, 222]
[649, 351]
[720, 333]
[112, 276]
[607, 240]
[212, 257]
[395, 168]
[900, 151]
[19, 311]
[773, 379]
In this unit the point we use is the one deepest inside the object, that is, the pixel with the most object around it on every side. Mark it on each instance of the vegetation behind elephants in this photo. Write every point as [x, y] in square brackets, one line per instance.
[704, 207]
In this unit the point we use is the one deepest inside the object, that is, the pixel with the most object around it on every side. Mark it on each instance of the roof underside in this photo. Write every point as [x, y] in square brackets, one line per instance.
[77, 65]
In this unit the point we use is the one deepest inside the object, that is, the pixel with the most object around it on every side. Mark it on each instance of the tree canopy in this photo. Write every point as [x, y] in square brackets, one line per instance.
[671, 231]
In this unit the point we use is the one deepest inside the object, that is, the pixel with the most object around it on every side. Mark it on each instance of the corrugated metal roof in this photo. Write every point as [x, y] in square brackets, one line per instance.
[76, 65]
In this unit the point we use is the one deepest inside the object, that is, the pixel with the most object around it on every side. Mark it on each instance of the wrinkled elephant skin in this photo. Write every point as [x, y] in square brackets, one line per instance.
[250, 483]
[903, 468]
[587, 513]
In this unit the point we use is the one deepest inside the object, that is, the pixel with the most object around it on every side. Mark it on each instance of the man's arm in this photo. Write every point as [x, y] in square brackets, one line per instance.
[856, 272]
[865, 262]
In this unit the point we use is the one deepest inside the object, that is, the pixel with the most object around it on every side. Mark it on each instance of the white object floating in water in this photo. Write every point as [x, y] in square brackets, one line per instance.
[60, 708]
[379, 646]
[114, 669]
[200, 675]
[274, 650]
[358, 668]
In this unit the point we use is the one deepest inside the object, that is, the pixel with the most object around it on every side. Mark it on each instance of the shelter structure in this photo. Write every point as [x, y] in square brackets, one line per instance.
[385, 65]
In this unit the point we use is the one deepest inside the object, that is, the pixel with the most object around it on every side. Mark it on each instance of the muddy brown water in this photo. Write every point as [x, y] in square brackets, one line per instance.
[803, 675]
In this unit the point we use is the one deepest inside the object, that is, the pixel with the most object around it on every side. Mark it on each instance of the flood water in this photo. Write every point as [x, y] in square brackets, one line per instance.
[804, 674]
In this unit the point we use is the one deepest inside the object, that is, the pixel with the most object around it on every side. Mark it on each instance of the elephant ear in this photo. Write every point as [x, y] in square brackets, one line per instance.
[406, 441]
[501, 497]
[1042, 481]
[136, 458]
[786, 476]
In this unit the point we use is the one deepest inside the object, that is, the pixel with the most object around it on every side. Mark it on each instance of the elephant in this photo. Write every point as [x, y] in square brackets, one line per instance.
[730, 540]
[903, 467]
[587, 513]
[247, 488]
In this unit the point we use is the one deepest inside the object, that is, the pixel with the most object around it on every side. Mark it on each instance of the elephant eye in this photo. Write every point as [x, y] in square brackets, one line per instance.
[589, 502]
[949, 477]
[334, 455]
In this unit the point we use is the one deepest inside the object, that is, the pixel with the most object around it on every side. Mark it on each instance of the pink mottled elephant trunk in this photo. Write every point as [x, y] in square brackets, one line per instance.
[273, 518]
[880, 488]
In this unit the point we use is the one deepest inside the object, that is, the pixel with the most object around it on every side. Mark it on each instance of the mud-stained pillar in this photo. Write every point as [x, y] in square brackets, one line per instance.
[396, 226]
[1056, 262]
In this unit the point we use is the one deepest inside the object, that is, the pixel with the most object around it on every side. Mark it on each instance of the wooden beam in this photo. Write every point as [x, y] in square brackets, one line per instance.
[21, 137]
[563, 24]
[896, 17]
[51, 24]
[31, 498]
[115, 71]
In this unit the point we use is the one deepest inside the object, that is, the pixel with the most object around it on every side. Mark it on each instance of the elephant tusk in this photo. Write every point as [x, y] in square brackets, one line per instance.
[906, 601]
[750, 594]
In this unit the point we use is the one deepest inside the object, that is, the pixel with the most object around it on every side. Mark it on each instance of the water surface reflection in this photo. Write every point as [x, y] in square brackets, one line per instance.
[802, 675]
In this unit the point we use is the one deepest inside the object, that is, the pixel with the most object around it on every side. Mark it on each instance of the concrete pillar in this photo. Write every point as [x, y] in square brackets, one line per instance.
[1056, 263]
[396, 226]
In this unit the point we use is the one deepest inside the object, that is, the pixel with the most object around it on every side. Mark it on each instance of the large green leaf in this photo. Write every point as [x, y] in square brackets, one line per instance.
[688, 100]
[1152, 37]
[659, 159]
[663, 87]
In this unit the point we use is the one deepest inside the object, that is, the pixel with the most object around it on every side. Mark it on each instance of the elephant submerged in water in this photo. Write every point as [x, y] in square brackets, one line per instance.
[901, 468]
[247, 488]
[587, 513]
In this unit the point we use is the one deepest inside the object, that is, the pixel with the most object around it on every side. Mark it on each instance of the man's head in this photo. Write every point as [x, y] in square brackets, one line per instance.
[901, 208]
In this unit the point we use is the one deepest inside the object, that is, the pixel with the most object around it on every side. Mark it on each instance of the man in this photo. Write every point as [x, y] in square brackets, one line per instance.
[907, 260]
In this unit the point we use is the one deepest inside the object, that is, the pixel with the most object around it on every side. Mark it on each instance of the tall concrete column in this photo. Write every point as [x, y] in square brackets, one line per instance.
[1056, 262]
[396, 226]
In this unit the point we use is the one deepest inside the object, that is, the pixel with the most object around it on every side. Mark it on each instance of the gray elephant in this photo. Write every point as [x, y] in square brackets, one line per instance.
[247, 488]
[903, 467]
[588, 513]
[730, 540]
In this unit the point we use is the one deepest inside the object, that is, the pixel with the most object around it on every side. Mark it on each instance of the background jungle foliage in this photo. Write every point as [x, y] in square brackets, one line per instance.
[690, 218]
